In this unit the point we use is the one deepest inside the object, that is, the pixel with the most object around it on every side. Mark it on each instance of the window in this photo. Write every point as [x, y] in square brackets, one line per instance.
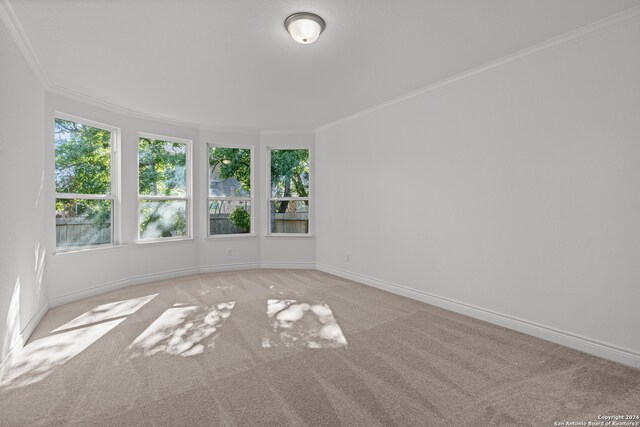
[289, 198]
[164, 189]
[85, 176]
[230, 207]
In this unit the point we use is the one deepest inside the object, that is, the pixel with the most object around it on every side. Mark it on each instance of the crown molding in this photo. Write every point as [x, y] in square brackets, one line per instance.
[78, 96]
[619, 19]
[230, 129]
[13, 25]
[287, 132]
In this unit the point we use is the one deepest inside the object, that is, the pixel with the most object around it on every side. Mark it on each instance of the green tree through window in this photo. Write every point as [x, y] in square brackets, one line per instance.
[289, 199]
[229, 190]
[84, 196]
[163, 191]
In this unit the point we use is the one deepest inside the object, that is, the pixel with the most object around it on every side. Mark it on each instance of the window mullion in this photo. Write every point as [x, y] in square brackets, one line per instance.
[160, 198]
[84, 196]
[288, 199]
[240, 199]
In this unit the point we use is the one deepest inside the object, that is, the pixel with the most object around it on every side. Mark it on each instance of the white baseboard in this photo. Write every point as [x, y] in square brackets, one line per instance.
[581, 343]
[22, 339]
[146, 278]
[299, 265]
[230, 267]
[111, 286]
[577, 342]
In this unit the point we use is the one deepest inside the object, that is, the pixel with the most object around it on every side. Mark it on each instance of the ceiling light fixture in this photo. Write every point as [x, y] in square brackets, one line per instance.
[304, 27]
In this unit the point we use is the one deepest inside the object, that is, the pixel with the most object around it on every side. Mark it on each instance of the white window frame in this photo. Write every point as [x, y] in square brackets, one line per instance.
[210, 198]
[270, 198]
[113, 197]
[188, 193]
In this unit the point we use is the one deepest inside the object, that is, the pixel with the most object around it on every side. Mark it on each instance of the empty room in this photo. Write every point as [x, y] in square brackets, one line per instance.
[305, 212]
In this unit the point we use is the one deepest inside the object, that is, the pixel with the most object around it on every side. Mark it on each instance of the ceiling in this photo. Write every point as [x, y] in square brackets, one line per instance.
[230, 63]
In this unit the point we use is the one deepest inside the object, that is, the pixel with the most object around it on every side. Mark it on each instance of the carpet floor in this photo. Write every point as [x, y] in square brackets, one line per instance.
[295, 347]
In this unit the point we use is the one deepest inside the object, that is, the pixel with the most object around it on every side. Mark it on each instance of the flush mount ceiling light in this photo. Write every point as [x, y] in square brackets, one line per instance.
[304, 27]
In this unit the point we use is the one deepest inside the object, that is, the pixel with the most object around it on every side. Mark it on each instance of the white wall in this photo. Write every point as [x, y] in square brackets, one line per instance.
[515, 191]
[23, 293]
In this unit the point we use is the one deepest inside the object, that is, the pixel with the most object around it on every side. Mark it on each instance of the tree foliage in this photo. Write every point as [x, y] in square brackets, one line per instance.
[289, 175]
[241, 219]
[233, 166]
[162, 172]
[162, 219]
[162, 168]
[233, 163]
[83, 158]
[83, 166]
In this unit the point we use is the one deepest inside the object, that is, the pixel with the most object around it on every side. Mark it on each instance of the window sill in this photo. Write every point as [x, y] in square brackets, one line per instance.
[231, 237]
[88, 250]
[167, 241]
[289, 235]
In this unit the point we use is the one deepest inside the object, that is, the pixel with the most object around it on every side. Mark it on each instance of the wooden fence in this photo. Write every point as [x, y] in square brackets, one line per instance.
[290, 222]
[81, 233]
[71, 233]
[220, 224]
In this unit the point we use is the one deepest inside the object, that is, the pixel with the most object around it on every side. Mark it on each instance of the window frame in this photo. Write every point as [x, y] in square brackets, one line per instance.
[114, 166]
[270, 197]
[251, 198]
[188, 197]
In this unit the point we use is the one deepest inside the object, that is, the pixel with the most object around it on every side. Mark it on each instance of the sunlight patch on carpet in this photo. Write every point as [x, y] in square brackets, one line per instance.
[37, 359]
[107, 311]
[302, 324]
[182, 330]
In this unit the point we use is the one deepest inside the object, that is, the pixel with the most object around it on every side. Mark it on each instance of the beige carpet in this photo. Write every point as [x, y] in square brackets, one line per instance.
[281, 347]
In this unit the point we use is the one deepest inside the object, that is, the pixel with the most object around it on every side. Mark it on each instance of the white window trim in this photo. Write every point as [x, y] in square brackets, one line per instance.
[269, 198]
[115, 185]
[252, 231]
[188, 196]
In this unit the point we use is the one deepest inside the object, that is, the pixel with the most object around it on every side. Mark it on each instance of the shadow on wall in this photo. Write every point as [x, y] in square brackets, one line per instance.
[12, 323]
[40, 250]
[39, 196]
[29, 292]
[13, 326]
